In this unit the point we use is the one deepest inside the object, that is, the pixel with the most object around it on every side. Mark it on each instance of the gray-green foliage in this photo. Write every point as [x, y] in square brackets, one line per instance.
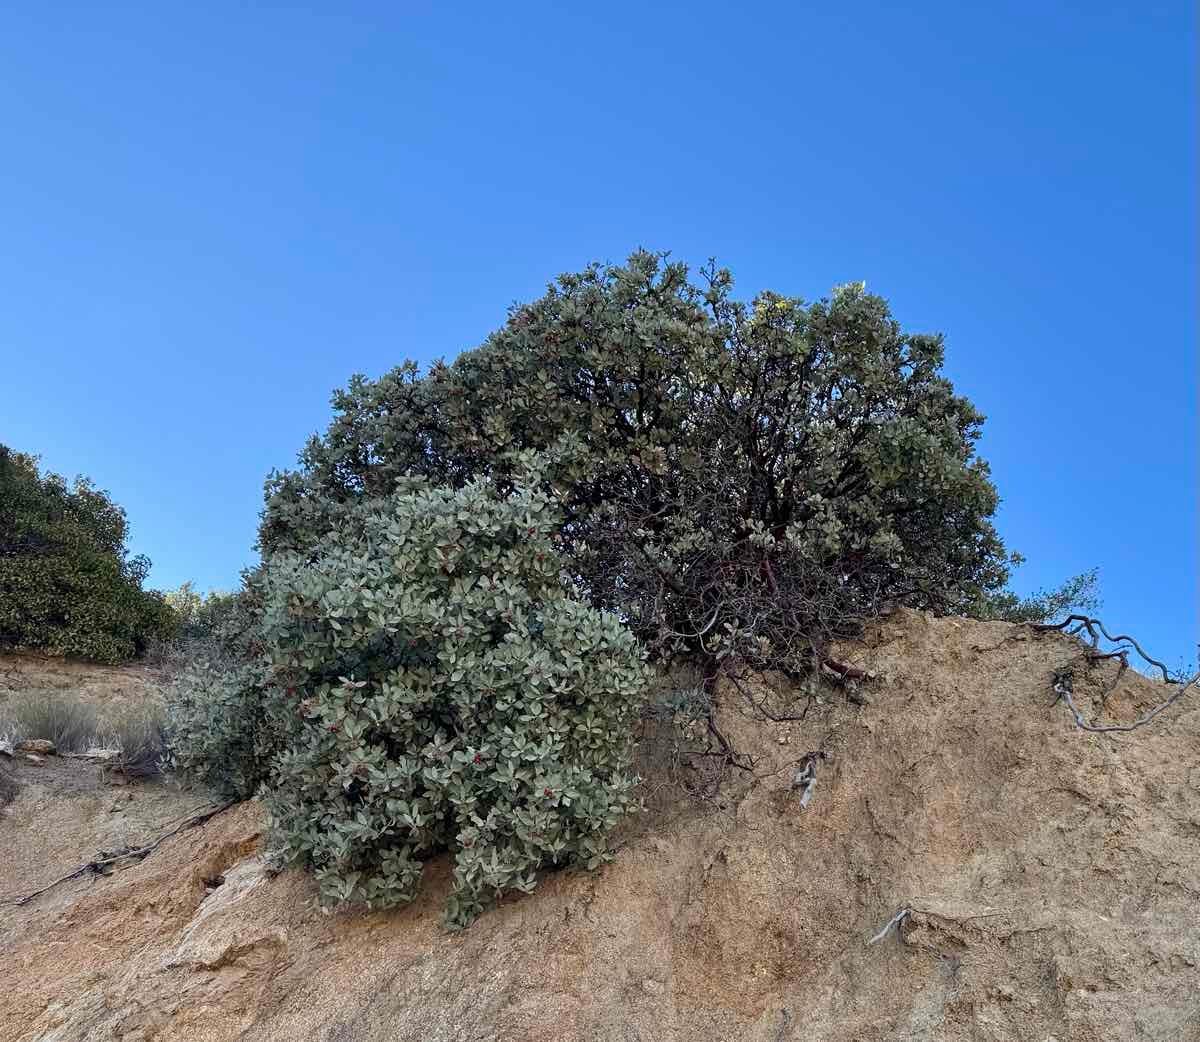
[1079, 593]
[220, 732]
[432, 686]
[200, 616]
[223, 715]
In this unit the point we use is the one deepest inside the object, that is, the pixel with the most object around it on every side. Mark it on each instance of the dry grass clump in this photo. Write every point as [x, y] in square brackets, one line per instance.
[74, 726]
[65, 719]
[138, 734]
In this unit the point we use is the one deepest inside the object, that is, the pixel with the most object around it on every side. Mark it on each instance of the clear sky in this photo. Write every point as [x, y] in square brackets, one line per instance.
[212, 214]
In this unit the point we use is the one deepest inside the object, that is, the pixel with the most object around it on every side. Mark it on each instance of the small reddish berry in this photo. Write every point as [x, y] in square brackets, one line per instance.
[547, 792]
[477, 759]
[334, 727]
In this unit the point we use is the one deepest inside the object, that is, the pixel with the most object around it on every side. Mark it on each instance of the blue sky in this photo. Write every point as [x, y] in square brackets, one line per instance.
[212, 215]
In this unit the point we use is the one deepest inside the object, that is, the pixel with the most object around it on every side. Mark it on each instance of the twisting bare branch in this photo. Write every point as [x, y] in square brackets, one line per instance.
[1062, 681]
[1075, 624]
[1063, 690]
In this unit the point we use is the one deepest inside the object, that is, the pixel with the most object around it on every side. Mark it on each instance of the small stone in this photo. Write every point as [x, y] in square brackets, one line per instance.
[652, 987]
[41, 746]
[34, 758]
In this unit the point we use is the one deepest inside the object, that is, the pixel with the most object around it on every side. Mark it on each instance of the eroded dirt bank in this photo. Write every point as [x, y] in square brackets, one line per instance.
[1052, 880]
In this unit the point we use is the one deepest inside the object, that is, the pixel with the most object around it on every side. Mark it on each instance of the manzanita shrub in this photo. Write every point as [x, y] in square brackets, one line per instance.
[438, 659]
[738, 478]
[225, 721]
[443, 691]
[220, 729]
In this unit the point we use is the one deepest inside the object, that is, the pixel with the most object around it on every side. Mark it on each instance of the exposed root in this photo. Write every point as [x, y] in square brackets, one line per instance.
[1062, 684]
[1062, 681]
[806, 777]
[1073, 625]
[105, 863]
[895, 921]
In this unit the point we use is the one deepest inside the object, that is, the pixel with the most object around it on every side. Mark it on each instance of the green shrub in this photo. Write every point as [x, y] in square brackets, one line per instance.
[201, 620]
[443, 691]
[748, 478]
[741, 481]
[218, 733]
[200, 616]
[218, 729]
[67, 583]
[1080, 593]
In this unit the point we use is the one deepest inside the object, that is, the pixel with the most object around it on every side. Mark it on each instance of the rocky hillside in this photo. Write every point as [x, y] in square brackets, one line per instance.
[1042, 883]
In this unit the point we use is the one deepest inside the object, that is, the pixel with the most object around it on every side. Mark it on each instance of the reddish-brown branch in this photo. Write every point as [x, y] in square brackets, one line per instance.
[844, 669]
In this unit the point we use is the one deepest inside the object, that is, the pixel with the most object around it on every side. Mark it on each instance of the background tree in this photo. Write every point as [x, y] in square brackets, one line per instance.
[1079, 593]
[67, 583]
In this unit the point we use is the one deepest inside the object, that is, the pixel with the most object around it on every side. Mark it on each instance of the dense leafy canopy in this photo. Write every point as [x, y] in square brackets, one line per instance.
[449, 694]
[428, 684]
[67, 583]
[716, 462]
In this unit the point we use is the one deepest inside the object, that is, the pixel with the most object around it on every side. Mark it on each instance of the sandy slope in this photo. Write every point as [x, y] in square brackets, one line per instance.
[1053, 879]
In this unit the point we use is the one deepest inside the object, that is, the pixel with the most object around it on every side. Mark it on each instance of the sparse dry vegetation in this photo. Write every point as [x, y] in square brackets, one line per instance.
[138, 735]
[61, 716]
[134, 731]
